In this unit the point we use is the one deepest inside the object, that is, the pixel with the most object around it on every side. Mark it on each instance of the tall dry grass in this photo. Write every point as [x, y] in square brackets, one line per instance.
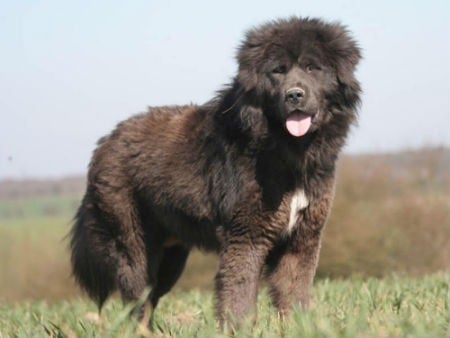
[391, 214]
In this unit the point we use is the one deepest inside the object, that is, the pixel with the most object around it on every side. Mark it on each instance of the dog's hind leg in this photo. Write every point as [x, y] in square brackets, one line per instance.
[135, 274]
[172, 265]
[154, 252]
[165, 266]
[131, 275]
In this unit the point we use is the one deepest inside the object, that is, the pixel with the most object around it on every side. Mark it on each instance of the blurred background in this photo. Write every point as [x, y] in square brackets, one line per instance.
[69, 71]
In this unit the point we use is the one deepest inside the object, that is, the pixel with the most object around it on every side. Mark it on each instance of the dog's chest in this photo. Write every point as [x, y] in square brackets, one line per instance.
[298, 202]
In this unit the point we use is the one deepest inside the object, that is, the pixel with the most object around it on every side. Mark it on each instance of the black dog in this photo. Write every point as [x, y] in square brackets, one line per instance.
[249, 174]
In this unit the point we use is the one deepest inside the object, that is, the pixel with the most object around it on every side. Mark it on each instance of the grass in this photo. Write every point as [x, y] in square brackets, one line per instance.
[389, 307]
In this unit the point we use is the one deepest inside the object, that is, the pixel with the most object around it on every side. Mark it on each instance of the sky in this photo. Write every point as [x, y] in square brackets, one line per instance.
[71, 70]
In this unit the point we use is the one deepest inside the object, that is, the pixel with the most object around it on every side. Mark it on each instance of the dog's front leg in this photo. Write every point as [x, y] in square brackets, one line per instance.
[292, 267]
[236, 282]
[290, 280]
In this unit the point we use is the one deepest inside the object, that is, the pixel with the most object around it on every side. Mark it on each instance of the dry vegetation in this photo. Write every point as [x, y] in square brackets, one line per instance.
[391, 214]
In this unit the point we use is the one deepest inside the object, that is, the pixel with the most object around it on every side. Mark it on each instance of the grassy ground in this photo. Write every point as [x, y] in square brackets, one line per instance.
[390, 307]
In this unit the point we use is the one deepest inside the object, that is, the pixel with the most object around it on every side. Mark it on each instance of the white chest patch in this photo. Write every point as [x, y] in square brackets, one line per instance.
[299, 202]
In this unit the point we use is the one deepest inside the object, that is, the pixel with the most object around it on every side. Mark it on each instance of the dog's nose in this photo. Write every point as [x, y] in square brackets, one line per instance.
[294, 95]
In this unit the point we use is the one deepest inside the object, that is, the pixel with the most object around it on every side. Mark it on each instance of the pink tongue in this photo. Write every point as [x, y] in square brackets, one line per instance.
[298, 124]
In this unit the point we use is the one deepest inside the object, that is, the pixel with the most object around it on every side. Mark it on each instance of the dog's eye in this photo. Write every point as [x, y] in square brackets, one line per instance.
[312, 67]
[282, 69]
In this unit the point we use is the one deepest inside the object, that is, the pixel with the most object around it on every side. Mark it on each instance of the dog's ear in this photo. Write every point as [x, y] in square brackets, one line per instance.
[251, 50]
[248, 73]
[346, 57]
[247, 77]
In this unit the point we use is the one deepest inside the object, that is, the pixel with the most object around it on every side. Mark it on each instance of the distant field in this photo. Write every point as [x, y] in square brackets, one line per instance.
[35, 207]
[392, 307]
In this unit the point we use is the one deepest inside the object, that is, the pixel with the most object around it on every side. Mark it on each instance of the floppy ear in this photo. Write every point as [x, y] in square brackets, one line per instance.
[248, 74]
[347, 56]
[251, 50]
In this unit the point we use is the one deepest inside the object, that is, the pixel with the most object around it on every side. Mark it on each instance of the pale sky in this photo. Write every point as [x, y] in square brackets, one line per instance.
[71, 70]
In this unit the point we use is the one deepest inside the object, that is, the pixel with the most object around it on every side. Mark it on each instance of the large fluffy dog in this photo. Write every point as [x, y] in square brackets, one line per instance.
[249, 174]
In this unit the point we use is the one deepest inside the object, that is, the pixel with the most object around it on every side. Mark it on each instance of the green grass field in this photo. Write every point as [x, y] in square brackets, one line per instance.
[389, 307]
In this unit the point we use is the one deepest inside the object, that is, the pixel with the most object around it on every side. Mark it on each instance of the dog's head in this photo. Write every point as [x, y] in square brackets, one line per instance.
[302, 69]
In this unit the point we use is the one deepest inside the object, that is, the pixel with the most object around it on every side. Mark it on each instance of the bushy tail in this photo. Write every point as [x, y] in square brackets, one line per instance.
[91, 265]
[108, 255]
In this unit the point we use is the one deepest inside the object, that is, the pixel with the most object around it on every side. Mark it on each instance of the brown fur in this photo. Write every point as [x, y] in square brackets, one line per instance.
[222, 176]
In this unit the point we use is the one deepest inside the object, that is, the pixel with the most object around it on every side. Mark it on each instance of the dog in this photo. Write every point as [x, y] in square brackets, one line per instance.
[249, 174]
